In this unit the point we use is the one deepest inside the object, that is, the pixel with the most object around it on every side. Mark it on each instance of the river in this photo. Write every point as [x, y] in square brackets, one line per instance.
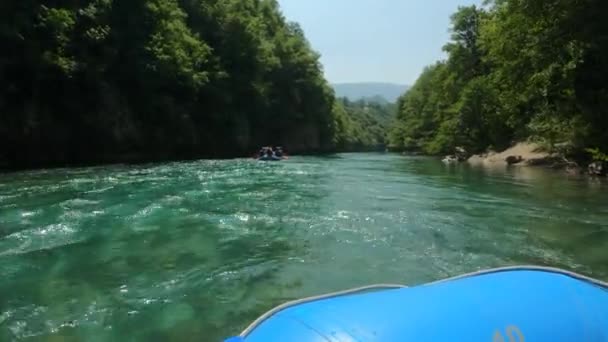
[194, 251]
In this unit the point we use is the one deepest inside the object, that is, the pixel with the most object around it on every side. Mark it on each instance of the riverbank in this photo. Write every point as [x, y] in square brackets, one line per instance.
[525, 153]
[533, 154]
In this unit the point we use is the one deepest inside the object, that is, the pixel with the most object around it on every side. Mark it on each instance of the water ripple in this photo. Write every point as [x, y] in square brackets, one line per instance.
[184, 250]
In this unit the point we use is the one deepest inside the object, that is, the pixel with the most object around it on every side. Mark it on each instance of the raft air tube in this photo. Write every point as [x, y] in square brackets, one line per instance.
[503, 305]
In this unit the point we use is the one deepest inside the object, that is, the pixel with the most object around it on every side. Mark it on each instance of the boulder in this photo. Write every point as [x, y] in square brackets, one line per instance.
[597, 169]
[461, 154]
[450, 160]
[514, 159]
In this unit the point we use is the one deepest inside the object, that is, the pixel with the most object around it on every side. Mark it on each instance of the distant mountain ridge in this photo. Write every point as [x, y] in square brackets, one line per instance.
[367, 90]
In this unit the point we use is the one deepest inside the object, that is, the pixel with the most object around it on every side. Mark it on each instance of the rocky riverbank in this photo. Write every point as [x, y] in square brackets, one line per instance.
[532, 154]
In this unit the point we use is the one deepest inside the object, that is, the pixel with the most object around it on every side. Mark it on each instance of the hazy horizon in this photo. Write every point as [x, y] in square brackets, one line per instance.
[368, 82]
[379, 41]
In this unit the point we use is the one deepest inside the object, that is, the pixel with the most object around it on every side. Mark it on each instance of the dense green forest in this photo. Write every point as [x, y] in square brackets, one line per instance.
[102, 80]
[515, 70]
[362, 124]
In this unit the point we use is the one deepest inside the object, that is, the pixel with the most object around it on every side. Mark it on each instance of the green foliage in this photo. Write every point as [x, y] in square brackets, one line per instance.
[517, 69]
[597, 155]
[104, 80]
[361, 125]
[58, 24]
[175, 49]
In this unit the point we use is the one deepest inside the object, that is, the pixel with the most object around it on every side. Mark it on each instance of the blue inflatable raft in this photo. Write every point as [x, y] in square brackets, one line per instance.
[502, 305]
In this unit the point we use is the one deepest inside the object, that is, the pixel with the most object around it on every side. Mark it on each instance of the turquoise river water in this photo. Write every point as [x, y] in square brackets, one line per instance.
[194, 251]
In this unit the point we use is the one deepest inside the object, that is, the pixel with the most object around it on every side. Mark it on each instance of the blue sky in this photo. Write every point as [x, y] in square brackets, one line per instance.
[375, 40]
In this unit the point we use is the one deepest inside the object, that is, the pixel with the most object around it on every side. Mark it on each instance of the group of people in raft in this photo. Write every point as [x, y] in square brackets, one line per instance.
[269, 152]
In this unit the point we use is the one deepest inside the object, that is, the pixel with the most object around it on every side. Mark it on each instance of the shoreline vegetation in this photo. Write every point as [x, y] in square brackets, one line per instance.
[88, 83]
[91, 83]
[523, 154]
[516, 71]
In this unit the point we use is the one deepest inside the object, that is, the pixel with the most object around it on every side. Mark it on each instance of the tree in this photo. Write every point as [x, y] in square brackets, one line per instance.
[518, 69]
[102, 80]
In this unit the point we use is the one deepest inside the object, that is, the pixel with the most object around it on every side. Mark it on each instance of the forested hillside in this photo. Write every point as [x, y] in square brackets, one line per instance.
[362, 125]
[369, 90]
[516, 69]
[102, 80]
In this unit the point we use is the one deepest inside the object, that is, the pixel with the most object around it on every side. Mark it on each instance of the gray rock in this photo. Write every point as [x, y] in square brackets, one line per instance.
[461, 154]
[597, 169]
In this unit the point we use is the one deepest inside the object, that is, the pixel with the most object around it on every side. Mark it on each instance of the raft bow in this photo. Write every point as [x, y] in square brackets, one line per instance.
[515, 304]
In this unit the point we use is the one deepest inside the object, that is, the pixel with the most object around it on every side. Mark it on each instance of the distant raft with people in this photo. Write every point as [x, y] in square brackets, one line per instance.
[271, 154]
[513, 304]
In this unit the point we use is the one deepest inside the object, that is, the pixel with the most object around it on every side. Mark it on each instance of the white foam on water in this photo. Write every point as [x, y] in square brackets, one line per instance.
[82, 180]
[78, 202]
[5, 316]
[55, 229]
[242, 217]
[7, 198]
[27, 214]
[343, 214]
[145, 212]
[18, 328]
[100, 190]
[19, 321]
[267, 219]
[29, 240]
